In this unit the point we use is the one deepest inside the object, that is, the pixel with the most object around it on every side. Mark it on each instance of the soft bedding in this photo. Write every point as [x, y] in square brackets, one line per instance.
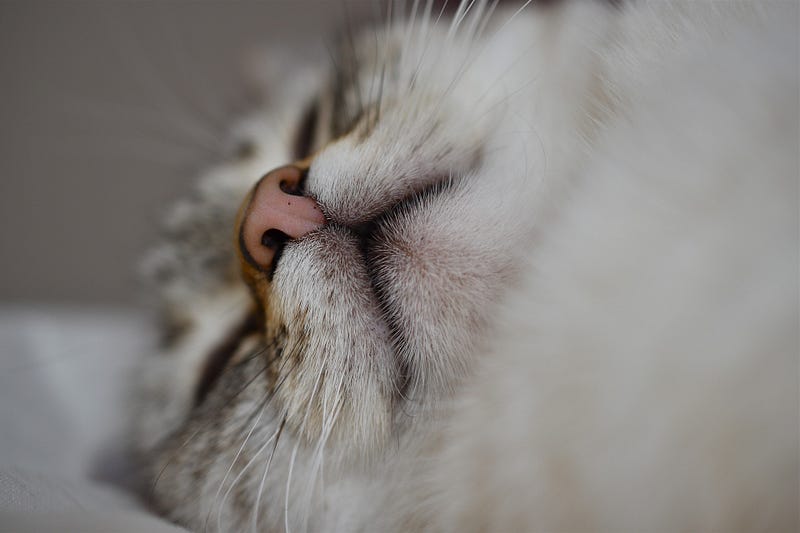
[65, 376]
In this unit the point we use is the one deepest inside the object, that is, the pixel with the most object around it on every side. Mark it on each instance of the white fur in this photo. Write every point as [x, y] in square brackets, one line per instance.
[598, 312]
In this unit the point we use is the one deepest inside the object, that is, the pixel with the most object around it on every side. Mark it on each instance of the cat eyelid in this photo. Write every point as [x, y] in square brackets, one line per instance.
[305, 135]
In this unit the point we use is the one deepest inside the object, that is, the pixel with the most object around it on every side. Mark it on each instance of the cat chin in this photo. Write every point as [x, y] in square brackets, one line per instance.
[337, 376]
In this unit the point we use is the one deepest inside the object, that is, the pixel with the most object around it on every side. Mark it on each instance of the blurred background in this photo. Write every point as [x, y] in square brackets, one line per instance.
[108, 109]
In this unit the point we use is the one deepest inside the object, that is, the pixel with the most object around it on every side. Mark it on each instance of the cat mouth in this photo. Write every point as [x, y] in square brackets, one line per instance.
[376, 247]
[289, 215]
[334, 264]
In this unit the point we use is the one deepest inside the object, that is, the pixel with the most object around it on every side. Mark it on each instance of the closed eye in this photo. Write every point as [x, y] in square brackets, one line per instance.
[305, 135]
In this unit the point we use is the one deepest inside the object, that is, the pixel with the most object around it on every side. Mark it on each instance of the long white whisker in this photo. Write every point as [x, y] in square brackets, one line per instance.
[264, 477]
[461, 12]
[327, 426]
[465, 67]
[424, 32]
[236, 458]
[410, 29]
[239, 476]
[475, 19]
[166, 101]
[487, 16]
[288, 485]
[180, 60]
[309, 406]
[143, 116]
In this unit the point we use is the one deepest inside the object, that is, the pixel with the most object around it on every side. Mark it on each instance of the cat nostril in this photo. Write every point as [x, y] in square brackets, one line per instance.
[288, 188]
[276, 212]
[274, 239]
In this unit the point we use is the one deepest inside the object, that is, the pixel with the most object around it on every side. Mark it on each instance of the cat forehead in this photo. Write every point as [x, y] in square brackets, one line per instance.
[409, 65]
[396, 122]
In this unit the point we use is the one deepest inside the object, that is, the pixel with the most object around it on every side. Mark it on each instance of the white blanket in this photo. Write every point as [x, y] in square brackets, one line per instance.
[65, 377]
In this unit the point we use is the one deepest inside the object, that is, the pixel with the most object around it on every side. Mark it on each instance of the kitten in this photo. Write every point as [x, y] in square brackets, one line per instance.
[514, 270]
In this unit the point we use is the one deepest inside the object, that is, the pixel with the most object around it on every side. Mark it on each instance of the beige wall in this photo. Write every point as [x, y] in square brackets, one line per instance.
[105, 110]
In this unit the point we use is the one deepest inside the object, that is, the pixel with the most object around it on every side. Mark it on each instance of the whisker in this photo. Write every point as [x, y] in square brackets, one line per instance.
[263, 405]
[383, 67]
[327, 426]
[166, 101]
[168, 159]
[427, 46]
[311, 477]
[264, 477]
[411, 21]
[128, 114]
[486, 18]
[512, 17]
[235, 459]
[371, 123]
[353, 57]
[425, 31]
[465, 68]
[288, 484]
[477, 20]
[461, 10]
[225, 404]
[180, 59]
[506, 97]
[241, 473]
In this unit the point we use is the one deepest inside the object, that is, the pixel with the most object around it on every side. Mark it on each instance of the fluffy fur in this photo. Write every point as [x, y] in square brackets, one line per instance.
[557, 289]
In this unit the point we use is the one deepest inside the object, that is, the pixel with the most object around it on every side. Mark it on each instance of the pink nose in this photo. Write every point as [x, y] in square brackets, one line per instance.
[276, 211]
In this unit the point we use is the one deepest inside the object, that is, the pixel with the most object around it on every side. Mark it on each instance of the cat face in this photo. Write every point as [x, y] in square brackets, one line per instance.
[325, 339]
[415, 151]
[384, 302]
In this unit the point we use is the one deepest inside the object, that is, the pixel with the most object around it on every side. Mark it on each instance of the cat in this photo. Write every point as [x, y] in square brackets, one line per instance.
[527, 268]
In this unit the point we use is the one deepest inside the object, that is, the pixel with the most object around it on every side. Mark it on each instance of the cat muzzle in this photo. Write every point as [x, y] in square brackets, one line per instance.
[275, 211]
